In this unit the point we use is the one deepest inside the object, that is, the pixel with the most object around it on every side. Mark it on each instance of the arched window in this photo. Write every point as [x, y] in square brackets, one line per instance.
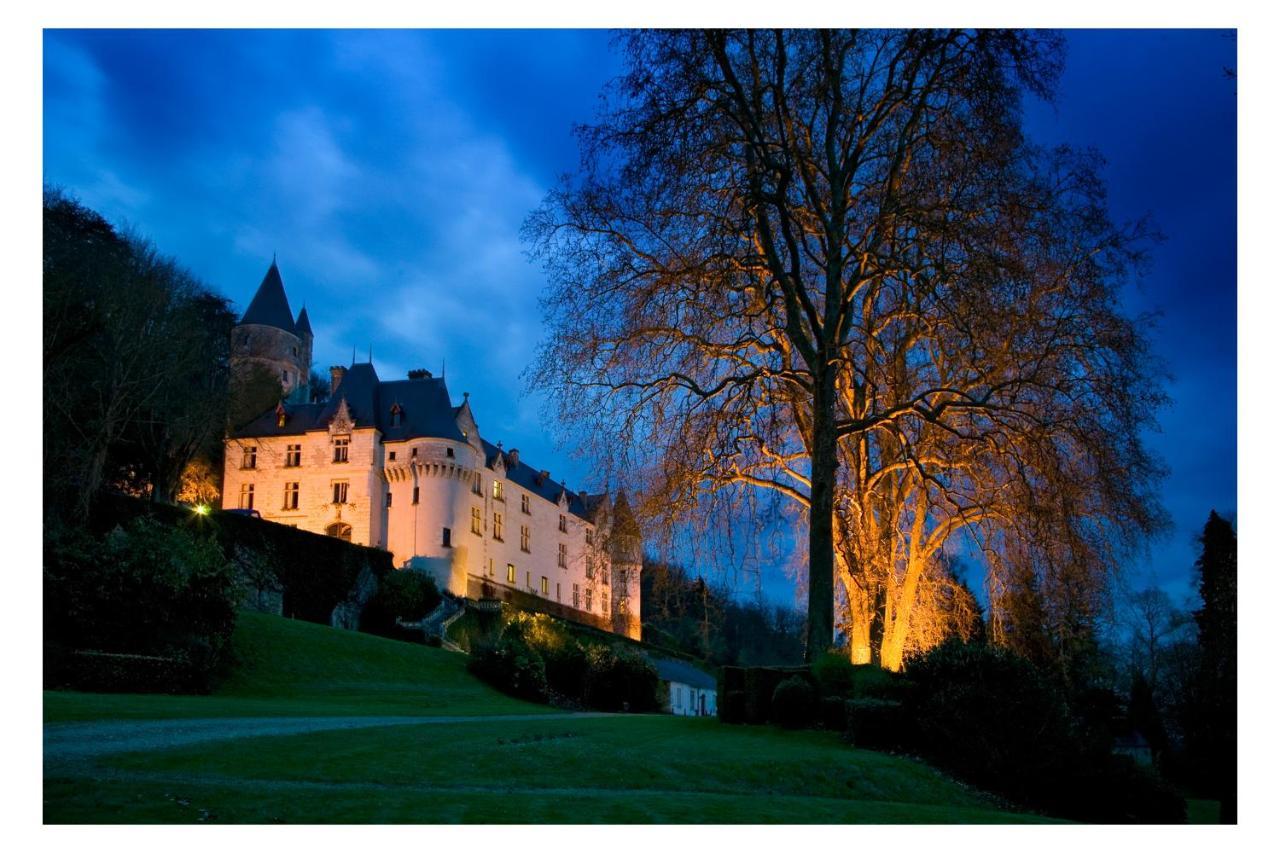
[338, 530]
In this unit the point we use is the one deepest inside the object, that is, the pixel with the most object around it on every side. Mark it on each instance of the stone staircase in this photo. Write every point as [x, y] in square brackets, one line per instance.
[437, 622]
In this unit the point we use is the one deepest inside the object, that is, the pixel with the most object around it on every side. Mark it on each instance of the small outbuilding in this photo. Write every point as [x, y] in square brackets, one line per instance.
[690, 691]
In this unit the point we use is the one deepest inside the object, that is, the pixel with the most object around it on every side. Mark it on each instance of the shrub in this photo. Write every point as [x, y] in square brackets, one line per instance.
[831, 713]
[733, 707]
[759, 683]
[402, 595]
[511, 665]
[792, 706]
[619, 679]
[875, 724]
[567, 670]
[991, 718]
[144, 593]
[834, 674]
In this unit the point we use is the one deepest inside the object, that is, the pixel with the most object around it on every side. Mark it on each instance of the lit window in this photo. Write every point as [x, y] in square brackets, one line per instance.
[290, 495]
[497, 526]
[545, 586]
[562, 558]
[447, 539]
[250, 459]
[293, 456]
[524, 537]
[511, 572]
[477, 522]
[491, 567]
[340, 492]
[340, 448]
[246, 495]
[497, 490]
[524, 504]
[564, 524]
[338, 530]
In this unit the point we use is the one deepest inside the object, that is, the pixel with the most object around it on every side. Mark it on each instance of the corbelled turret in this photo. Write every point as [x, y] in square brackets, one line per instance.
[268, 338]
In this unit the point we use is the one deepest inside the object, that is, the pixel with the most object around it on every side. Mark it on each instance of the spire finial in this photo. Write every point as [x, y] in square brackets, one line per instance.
[353, 355]
[371, 353]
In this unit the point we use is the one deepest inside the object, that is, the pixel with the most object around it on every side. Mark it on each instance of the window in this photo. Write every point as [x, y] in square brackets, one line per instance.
[511, 572]
[562, 558]
[545, 586]
[497, 526]
[448, 451]
[524, 504]
[246, 495]
[250, 459]
[575, 596]
[591, 570]
[564, 524]
[477, 522]
[388, 498]
[415, 494]
[588, 598]
[290, 495]
[340, 448]
[391, 457]
[340, 491]
[338, 530]
[528, 582]
[447, 540]
[476, 487]
[491, 567]
[524, 537]
[591, 536]
[397, 415]
[604, 603]
[413, 454]
[557, 591]
[293, 456]
[497, 491]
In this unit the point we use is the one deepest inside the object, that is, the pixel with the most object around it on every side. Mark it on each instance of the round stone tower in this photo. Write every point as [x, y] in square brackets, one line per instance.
[625, 554]
[268, 336]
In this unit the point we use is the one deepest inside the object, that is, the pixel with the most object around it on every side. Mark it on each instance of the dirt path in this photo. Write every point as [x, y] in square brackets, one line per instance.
[69, 744]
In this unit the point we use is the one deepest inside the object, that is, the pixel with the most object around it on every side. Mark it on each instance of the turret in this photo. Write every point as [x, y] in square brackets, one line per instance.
[268, 337]
[626, 550]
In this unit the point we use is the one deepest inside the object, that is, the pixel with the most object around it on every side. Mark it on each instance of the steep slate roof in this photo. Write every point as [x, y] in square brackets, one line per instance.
[427, 413]
[270, 307]
[670, 669]
[526, 477]
[303, 323]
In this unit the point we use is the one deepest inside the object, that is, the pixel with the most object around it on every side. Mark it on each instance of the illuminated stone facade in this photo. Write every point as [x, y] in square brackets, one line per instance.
[395, 465]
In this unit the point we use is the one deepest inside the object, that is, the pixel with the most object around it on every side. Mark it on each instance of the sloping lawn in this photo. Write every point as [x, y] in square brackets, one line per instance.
[581, 770]
[291, 668]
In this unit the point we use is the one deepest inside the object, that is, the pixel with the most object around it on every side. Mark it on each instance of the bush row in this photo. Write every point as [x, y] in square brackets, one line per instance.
[535, 658]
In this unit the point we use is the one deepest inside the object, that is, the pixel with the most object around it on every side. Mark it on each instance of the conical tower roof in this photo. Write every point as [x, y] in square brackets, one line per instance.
[303, 323]
[270, 307]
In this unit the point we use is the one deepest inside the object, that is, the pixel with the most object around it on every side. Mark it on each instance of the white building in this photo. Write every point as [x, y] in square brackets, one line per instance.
[395, 465]
[690, 691]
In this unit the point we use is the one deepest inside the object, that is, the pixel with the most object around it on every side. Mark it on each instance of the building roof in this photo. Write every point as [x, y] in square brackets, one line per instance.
[425, 412]
[303, 323]
[670, 669]
[270, 307]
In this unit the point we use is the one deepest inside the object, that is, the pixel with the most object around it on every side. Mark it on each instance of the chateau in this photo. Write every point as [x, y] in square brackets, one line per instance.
[394, 464]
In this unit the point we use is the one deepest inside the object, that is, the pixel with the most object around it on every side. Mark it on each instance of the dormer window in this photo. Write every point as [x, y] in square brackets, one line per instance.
[564, 524]
[397, 415]
[524, 504]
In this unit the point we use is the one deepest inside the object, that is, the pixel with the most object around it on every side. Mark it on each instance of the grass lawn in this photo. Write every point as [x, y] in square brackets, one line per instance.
[291, 668]
[617, 768]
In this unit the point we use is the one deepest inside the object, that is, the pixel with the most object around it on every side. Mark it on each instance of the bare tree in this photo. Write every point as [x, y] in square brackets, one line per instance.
[826, 264]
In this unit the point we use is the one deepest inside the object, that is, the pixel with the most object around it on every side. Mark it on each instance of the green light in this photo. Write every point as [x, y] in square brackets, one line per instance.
[202, 509]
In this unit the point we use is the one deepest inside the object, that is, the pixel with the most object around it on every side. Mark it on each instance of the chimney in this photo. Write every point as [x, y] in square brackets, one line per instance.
[335, 378]
[419, 374]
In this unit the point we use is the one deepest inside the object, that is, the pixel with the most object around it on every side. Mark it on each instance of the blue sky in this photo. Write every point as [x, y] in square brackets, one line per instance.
[391, 170]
